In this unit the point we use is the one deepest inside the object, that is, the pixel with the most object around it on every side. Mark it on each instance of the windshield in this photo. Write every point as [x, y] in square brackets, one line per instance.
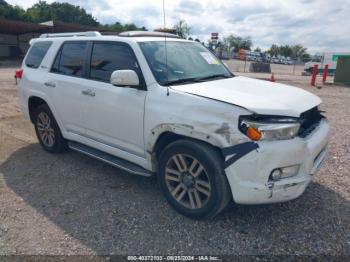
[186, 62]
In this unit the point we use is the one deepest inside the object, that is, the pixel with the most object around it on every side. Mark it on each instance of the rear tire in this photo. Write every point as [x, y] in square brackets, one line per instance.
[192, 178]
[48, 131]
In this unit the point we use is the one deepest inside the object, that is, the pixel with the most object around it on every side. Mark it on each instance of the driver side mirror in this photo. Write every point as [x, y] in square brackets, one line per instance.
[125, 78]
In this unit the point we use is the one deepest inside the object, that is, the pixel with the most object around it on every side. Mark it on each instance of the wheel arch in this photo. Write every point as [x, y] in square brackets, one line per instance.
[33, 103]
[36, 99]
[170, 134]
[169, 137]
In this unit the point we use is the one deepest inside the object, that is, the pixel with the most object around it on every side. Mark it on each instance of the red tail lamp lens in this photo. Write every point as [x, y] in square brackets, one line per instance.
[19, 73]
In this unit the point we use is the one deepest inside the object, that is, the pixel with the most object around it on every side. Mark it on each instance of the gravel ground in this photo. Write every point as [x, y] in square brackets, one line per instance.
[71, 204]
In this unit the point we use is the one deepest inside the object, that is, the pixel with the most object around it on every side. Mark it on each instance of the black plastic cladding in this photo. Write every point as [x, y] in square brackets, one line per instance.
[309, 120]
[238, 151]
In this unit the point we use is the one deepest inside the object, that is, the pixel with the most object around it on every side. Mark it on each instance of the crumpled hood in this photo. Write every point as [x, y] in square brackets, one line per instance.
[259, 96]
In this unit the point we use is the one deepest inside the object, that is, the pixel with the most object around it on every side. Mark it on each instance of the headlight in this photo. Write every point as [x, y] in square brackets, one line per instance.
[269, 128]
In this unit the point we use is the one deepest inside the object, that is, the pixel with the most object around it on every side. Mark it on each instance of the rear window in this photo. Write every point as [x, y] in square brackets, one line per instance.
[71, 59]
[36, 54]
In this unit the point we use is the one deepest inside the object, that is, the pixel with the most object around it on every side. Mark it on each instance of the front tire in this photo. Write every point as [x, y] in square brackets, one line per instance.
[48, 131]
[192, 178]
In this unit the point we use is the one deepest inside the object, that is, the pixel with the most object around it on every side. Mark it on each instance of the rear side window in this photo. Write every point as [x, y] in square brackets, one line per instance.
[70, 60]
[108, 57]
[36, 54]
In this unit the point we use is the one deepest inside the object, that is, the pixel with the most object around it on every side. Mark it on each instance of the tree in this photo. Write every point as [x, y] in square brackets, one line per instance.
[294, 51]
[118, 27]
[298, 51]
[182, 29]
[223, 44]
[274, 50]
[42, 11]
[237, 42]
[165, 30]
[12, 12]
[306, 57]
[285, 50]
[257, 50]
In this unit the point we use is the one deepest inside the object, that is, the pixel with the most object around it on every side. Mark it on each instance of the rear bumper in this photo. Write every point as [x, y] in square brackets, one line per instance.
[249, 176]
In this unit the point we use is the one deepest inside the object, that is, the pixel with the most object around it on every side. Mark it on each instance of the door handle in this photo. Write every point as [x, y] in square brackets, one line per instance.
[50, 84]
[88, 92]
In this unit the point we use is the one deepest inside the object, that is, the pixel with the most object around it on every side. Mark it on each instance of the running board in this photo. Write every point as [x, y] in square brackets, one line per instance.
[110, 159]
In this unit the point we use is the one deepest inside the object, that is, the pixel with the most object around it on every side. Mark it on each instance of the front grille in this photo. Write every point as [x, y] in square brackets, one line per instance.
[309, 120]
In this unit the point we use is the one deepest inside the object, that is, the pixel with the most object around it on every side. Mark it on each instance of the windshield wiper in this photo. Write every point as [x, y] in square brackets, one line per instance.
[182, 81]
[213, 77]
[195, 79]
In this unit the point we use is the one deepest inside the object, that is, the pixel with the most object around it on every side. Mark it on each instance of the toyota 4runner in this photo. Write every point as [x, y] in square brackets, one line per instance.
[154, 104]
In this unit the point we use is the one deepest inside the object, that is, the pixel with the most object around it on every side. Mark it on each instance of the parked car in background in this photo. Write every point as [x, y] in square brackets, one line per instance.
[253, 56]
[266, 58]
[289, 61]
[275, 60]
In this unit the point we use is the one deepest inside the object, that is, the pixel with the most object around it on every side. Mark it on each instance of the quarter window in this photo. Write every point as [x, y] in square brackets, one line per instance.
[71, 59]
[37, 53]
[108, 57]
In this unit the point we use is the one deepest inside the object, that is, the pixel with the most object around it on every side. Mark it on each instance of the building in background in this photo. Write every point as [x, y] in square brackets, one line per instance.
[15, 35]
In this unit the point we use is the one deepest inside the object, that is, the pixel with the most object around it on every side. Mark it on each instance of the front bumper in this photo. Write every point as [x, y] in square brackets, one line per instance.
[249, 175]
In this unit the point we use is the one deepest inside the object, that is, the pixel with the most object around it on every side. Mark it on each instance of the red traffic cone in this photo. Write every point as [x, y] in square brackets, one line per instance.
[272, 78]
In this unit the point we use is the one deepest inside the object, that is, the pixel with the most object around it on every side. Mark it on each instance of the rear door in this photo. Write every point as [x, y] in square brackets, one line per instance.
[114, 114]
[66, 78]
[34, 72]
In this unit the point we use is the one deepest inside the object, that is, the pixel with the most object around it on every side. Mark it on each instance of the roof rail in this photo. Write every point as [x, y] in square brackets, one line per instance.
[147, 34]
[88, 33]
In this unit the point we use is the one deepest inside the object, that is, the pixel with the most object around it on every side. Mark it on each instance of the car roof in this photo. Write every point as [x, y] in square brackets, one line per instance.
[109, 38]
[132, 36]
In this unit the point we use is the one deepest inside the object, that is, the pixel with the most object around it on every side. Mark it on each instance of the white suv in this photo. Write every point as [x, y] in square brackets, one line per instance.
[152, 103]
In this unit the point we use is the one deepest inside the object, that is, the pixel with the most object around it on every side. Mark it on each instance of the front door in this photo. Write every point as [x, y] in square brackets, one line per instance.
[114, 114]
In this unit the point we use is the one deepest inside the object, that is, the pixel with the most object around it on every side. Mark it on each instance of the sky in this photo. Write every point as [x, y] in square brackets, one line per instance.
[319, 25]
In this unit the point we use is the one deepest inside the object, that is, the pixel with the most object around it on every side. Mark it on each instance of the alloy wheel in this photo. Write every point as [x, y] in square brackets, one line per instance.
[187, 181]
[45, 129]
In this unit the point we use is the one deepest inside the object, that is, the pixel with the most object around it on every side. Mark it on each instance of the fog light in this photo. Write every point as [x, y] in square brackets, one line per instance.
[289, 171]
[276, 174]
[284, 172]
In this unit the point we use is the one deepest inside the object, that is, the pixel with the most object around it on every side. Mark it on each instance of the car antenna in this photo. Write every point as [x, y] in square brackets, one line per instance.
[166, 52]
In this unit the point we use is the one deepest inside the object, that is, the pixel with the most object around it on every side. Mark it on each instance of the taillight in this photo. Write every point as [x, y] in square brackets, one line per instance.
[19, 73]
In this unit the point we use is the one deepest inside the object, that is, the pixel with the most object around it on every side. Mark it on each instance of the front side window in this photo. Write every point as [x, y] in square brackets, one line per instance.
[37, 53]
[108, 57]
[183, 62]
[71, 59]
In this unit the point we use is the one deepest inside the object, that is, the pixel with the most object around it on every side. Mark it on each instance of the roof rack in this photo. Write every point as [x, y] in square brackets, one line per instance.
[147, 34]
[88, 33]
